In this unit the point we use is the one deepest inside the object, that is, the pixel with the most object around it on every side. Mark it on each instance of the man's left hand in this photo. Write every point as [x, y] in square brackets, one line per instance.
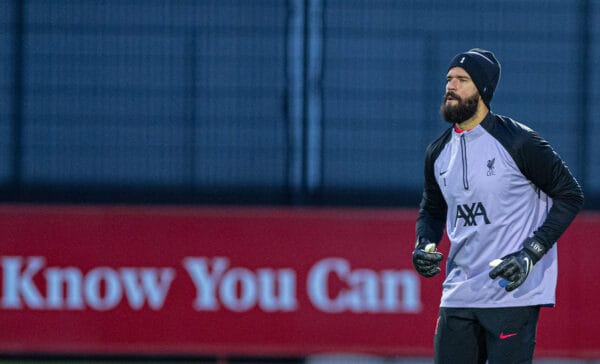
[514, 268]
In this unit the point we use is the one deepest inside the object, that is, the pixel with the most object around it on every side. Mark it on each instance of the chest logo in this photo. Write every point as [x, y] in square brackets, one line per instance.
[490, 165]
[470, 214]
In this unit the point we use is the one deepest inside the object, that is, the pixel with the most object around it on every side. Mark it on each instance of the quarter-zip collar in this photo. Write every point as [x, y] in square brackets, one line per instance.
[456, 129]
[463, 138]
[476, 131]
[488, 116]
[465, 165]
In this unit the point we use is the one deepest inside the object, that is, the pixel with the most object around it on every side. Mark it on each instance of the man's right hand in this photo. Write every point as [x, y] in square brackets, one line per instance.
[426, 259]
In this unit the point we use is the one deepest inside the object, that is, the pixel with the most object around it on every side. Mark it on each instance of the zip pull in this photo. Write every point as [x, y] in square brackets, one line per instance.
[463, 153]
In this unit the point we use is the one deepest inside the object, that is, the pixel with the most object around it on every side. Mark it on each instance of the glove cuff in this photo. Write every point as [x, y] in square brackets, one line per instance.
[534, 248]
[422, 242]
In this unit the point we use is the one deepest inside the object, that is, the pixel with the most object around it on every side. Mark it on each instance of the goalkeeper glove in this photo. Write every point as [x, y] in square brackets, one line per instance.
[515, 267]
[425, 259]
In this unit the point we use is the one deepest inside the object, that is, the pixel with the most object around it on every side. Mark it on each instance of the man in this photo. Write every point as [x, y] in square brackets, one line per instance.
[504, 197]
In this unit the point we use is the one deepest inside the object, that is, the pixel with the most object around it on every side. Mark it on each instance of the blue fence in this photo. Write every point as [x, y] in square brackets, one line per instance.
[273, 101]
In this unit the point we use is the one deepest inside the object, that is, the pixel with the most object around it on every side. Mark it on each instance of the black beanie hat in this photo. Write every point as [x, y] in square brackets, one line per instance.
[483, 68]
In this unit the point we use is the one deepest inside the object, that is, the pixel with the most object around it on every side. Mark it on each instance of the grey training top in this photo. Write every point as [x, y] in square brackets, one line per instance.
[492, 187]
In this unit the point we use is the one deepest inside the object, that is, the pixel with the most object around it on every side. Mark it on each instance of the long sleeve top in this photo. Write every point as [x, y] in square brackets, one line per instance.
[490, 188]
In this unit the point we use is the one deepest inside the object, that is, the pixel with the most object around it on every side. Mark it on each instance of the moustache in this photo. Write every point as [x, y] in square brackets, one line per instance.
[451, 95]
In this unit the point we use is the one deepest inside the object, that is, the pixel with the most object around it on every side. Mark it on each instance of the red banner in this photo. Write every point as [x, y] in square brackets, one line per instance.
[224, 281]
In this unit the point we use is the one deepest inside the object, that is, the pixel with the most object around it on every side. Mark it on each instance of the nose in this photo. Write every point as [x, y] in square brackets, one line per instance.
[451, 85]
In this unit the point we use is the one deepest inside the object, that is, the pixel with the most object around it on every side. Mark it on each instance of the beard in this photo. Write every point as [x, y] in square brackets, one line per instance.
[463, 110]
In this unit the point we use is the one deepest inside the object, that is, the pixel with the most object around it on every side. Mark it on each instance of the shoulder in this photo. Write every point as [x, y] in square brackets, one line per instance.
[435, 147]
[532, 154]
[513, 135]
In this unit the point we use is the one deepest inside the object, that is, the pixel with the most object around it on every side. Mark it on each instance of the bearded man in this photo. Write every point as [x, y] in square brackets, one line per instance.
[504, 198]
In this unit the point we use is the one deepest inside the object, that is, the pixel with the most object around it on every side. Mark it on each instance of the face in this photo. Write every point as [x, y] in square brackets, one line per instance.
[461, 99]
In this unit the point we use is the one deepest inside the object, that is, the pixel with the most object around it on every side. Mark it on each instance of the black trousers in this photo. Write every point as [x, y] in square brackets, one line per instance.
[474, 335]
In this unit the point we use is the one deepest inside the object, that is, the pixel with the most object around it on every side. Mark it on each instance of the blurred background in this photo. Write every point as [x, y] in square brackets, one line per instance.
[294, 103]
[272, 101]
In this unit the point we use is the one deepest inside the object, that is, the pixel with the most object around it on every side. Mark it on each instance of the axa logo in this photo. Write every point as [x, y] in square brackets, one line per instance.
[471, 214]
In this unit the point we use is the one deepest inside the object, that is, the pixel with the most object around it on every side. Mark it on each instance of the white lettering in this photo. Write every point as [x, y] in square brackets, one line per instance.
[240, 289]
[318, 289]
[268, 281]
[56, 279]
[28, 283]
[244, 279]
[204, 281]
[147, 284]
[68, 288]
[406, 282]
[366, 290]
[93, 288]
[17, 284]
[365, 295]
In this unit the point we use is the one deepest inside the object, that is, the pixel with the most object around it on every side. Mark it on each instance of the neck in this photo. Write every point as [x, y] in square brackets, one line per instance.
[476, 119]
